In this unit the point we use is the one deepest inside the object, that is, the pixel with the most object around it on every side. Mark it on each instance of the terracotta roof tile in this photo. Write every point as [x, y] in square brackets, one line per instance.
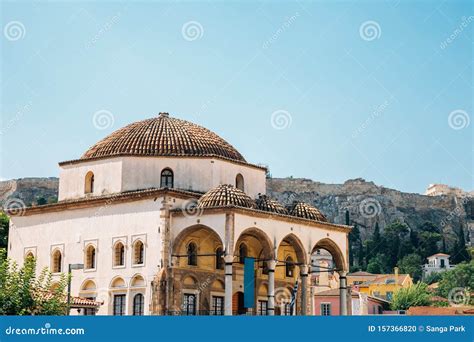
[225, 195]
[307, 211]
[266, 203]
[163, 136]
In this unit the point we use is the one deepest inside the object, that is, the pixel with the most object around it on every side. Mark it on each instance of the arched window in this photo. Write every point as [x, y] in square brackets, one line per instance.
[89, 183]
[167, 179]
[219, 259]
[289, 267]
[90, 257]
[57, 261]
[138, 253]
[239, 182]
[138, 305]
[29, 256]
[243, 252]
[192, 254]
[119, 257]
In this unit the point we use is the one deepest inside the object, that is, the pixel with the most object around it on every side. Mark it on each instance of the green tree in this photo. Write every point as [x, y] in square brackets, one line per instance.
[415, 295]
[462, 276]
[411, 264]
[377, 265]
[41, 201]
[394, 237]
[23, 293]
[4, 224]
[460, 252]
[429, 238]
[354, 243]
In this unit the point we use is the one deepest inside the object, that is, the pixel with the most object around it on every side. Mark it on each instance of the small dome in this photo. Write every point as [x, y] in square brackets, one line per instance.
[225, 195]
[267, 204]
[163, 136]
[307, 211]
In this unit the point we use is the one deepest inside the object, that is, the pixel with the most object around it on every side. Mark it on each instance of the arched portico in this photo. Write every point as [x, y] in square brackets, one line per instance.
[340, 266]
[291, 266]
[251, 243]
[196, 271]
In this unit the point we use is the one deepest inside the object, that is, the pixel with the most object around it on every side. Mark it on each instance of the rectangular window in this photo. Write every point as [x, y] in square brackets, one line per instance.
[389, 295]
[119, 305]
[262, 308]
[217, 306]
[325, 309]
[189, 304]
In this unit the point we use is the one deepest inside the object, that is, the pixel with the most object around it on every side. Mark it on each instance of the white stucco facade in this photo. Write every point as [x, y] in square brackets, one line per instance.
[114, 210]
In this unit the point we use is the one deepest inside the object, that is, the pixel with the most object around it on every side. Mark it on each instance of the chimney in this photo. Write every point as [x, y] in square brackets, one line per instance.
[396, 275]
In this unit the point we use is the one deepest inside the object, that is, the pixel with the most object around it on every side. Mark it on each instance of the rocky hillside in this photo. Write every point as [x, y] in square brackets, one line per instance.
[366, 202]
[29, 190]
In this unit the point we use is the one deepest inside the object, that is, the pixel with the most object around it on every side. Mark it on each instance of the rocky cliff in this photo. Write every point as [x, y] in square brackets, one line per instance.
[29, 190]
[368, 203]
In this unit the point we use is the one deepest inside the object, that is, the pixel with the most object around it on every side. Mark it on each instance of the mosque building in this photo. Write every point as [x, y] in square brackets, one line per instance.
[161, 217]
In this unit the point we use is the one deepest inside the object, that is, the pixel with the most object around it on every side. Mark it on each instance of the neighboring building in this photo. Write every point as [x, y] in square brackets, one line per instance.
[443, 189]
[163, 213]
[438, 262]
[323, 276]
[326, 303]
[384, 285]
[359, 277]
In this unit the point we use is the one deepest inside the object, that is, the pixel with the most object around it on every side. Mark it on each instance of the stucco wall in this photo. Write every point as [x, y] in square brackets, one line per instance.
[107, 178]
[72, 230]
[121, 174]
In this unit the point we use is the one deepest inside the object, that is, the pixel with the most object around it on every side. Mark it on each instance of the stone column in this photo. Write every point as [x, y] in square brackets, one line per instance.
[304, 280]
[343, 293]
[228, 259]
[271, 287]
[228, 285]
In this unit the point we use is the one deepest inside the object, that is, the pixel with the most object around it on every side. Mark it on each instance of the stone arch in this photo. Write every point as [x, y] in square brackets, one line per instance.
[118, 283]
[218, 285]
[206, 239]
[88, 285]
[295, 242]
[262, 238]
[190, 280]
[334, 250]
[137, 281]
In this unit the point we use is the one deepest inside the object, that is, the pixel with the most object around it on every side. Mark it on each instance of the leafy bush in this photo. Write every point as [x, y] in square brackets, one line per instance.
[415, 295]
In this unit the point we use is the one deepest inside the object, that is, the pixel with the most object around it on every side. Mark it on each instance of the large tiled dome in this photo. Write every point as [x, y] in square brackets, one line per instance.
[225, 195]
[307, 211]
[265, 203]
[163, 136]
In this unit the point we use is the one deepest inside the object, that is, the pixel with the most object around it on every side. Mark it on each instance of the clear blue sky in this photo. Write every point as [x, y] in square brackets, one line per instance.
[369, 86]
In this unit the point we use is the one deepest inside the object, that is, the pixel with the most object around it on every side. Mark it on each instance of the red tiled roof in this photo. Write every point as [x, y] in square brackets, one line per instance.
[307, 211]
[439, 311]
[361, 273]
[163, 136]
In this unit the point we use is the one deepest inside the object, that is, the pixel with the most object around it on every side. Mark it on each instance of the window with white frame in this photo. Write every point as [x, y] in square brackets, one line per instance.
[119, 305]
[325, 309]
[119, 254]
[138, 305]
[189, 304]
[138, 253]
